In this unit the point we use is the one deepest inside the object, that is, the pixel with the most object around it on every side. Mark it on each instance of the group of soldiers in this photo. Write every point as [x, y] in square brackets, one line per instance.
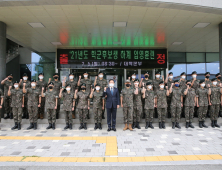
[139, 99]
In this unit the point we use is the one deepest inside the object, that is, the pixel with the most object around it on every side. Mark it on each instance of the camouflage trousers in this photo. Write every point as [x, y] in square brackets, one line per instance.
[161, 114]
[7, 105]
[149, 115]
[17, 114]
[189, 113]
[97, 115]
[51, 113]
[25, 108]
[68, 117]
[202, 111]
[214, 111]
[128, 115]
[41, 109]
[58, 107]
[168, 104]
[175, 113]
[33, 111]
[137, 111]
[143, 110]
[82, 115]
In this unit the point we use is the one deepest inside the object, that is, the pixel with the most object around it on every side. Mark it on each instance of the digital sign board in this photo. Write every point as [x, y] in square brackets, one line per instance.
[111, 58]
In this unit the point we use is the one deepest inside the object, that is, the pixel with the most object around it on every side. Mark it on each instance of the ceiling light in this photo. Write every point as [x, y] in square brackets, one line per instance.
[177, 43]
[201, 25]
[36, 25]
[56, 43]
[117, 43]
[119, 24]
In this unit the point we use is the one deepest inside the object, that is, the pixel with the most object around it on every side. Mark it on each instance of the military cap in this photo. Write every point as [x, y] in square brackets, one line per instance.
[194, 72]
[136, 80]
[183, 73]
[148, 83]
[207, 73]
[176, 81]
[41, 74]
[83, 84]
[161, 82]
[217, 74]
[71, 74]
[127, 81]
[214, 79]
[170, 73]
[25, 74]
[202, 81]
[56, 74]
[51, 83]
[97, 84]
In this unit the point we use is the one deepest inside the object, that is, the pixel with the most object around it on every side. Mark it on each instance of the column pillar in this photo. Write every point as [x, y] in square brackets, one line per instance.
[2, 50]
[220, 46]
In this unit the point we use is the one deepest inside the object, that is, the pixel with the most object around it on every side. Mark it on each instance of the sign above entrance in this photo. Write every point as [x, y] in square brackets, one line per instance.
[111, 58]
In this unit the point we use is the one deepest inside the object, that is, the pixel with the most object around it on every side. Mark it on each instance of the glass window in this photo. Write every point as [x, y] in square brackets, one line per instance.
[196, 57]
[177, 69]
[177, 57]
[199, 68]
[213, 68]
[212, 57]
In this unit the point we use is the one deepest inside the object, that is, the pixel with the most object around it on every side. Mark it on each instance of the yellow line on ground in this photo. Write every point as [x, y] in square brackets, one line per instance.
[110, 141]
[110, 159]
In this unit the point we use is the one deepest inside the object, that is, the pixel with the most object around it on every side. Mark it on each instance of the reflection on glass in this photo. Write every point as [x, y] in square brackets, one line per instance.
[213, 68]
[177, 69]
[199, 68]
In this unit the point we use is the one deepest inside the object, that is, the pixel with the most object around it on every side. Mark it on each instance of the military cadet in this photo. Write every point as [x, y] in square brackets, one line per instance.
[83, 105]
[169, 80]
[126, 100]
[2, 98]
[207, 79]
[189, 103]
[157, 81]
[194, 81]
[218, 76]
[27, 83]
[98, 105]
[51, 101]
[133, 76]
[161, 103]
[215, 102]
[182, 81]
[17, 104]
[68, 104]
[202, 102]
[39, 85]
[73, 85]
[137, 104]
[148, 95]
[34, 101]
[8, 100]
[141, 85]
[88, 84]
[176, 104]
[103, 83]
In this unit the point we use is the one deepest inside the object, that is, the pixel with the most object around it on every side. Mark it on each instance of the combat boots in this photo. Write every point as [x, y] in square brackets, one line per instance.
[100, 126]
[147, 125]
[19, 126]
[204, 124]
[163, 125]
[190, 125]
[200, 124]
[160, 125]
[84, 126]
[67, 126]
[134, 125]
[70, 126]
[35, 126]
[151, 126]
[81, 126]
[53, 126]
[130, 127]
[15, 127]
[138, 125]
[125, 127]
[187, 124]
[177, 125]
[173, 125]
[216, 125]
[50, 126]
[95, 126]
[212, 124]
[31, 126]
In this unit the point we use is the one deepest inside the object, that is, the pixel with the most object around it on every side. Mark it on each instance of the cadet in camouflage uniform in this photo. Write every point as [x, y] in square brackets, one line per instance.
[56, 88]
[73, 85]
[202, 102]
[189, 103]
[17, 104]
[215, 102]
[27, 83]
[176, 104]
[161, 103]
[137, 104]
[68, 104]
[51, 101]
[126, 100]
[141, 85]
[157, 81]
[218, 76]
[40, 84]
[34, 101]
[83, 105]
[8, 100]
[183, 86]
[149, 95]
[88, 83]
[207, 79]
[133, 76]
[2, 98]
[98, 105]
[194, 82]
[169, 80]
[103, 83]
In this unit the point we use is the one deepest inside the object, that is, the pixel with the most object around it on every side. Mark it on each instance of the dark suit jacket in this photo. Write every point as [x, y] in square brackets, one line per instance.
[112, 100]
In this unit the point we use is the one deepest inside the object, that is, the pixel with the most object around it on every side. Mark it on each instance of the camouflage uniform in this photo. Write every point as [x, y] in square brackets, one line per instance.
[67, 105]
[50, 103]
[208, 82]
[149, 105]
[1, 96]
[202, 95]
[57, 87]
[215, 101]
[137, 105]
[17, 97]
[82, 105]
[196, 84]
[25, 108]
[132, 84]
[161, 104]
[156, 84]
[33, 101]
[175, 105]
[189, 104]
[218, 84]
[97, 106]
[88, 83]
[40, 85]
[169, 82]
[127, 95]
[183, 84]
[8, 99]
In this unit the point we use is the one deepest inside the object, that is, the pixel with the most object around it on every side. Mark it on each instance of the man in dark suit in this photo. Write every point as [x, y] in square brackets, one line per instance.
[112, 104]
